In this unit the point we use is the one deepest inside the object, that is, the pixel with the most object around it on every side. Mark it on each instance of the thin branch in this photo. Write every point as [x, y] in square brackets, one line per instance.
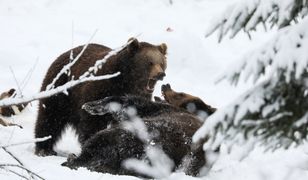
[26, 142]
[28, 76]
[87, 76]
[72, 53]
[15, 79]
[22, 167]
[57, 90]
[16, 173]
[67, 67]
[12, 155]
[99, 63]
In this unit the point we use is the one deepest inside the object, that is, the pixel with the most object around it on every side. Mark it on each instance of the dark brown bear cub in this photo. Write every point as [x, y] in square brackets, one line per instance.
[171, 128]
[141, 64]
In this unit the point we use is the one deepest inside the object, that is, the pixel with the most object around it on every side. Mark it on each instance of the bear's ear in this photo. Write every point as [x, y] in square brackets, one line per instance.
[133, 46]
[163, 48]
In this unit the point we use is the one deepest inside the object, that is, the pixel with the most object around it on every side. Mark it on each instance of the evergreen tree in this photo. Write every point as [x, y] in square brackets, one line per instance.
[275, 111]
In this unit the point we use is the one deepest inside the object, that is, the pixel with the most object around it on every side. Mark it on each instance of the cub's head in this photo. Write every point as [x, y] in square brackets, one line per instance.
[191, 103]
[148, 64]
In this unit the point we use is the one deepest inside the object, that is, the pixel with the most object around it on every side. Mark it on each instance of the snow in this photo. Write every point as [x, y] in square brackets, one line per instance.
[43, 29]
[249, 13]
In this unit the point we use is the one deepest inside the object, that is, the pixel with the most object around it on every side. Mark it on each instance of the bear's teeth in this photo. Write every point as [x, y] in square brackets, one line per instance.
[150, 85]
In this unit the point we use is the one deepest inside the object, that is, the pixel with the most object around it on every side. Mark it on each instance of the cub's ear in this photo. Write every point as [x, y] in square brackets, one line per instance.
[133, 46]
[163, 48]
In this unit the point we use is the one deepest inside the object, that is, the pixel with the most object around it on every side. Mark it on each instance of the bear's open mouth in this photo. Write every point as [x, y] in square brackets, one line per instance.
[151, 85]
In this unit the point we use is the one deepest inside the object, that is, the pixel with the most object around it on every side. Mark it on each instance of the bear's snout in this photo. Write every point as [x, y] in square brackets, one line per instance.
[160, 76]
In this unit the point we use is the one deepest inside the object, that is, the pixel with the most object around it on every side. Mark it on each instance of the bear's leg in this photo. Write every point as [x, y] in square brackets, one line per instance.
[197, 161]
[52, 119]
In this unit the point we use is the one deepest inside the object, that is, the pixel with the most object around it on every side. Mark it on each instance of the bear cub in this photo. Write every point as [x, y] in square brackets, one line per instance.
[171, 126]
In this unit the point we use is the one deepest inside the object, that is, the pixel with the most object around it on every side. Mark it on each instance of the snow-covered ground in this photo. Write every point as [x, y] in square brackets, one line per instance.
[42, 30]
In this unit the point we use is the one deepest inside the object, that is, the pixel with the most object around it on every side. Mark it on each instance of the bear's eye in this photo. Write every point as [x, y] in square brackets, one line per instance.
[151, 63]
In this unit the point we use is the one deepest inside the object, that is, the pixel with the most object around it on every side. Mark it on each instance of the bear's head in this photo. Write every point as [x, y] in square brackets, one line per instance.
[147, 64]
[182, 100]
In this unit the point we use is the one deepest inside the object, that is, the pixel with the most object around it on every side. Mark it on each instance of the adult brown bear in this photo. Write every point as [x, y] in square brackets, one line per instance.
[141, 64]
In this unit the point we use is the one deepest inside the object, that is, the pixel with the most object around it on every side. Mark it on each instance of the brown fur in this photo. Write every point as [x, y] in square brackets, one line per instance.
[183, 100]
[171, 128]
[136, 64]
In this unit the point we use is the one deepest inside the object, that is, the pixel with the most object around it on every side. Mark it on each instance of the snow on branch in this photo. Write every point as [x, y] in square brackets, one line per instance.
[99, 63]
[247, 14]
[67, 67]
[89, 75]
[57, 90]
[286, 53]
[274, 113]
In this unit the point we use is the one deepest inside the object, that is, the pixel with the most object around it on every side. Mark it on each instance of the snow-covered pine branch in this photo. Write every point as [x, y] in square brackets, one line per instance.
[285, 54]
[274, 112]
[87, 76]
[247, 14]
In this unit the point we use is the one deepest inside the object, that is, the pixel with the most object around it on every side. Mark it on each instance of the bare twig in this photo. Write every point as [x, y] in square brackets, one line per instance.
[24, 168]
[14, 172]
[26, 142]
[15, 79]
[28, 76]
[21, 164]
[14, 157]
[72, 53]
